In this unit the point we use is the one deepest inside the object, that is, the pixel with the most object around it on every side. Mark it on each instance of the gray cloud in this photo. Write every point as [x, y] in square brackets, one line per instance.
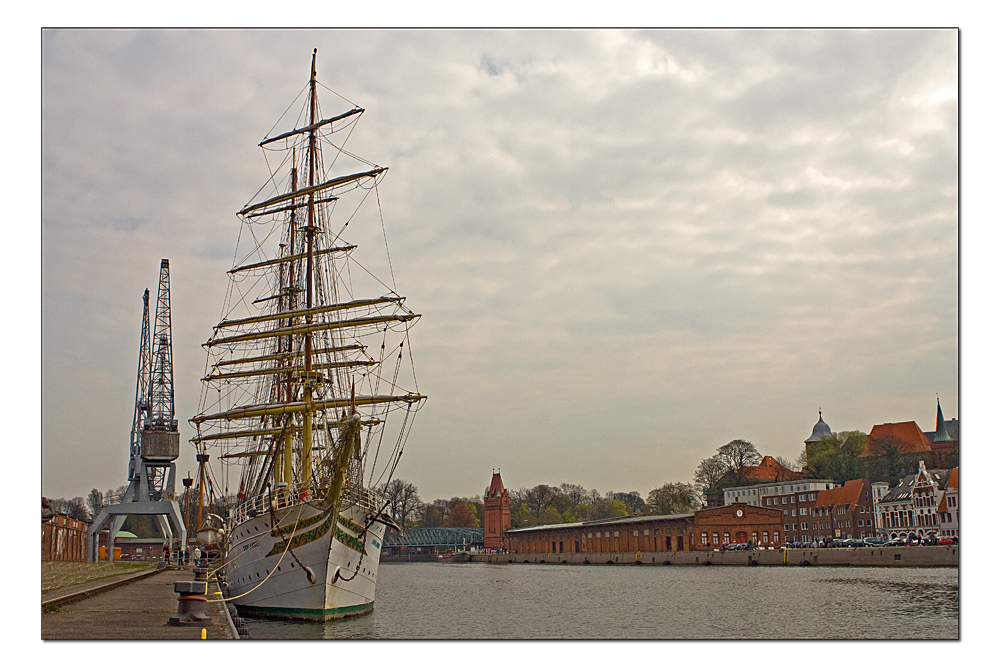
[628, 247]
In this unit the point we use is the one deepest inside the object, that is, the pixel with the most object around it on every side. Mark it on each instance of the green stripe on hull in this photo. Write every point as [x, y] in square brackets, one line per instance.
[318, 615]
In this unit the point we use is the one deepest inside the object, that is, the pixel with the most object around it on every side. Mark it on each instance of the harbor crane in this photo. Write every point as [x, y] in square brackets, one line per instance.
[155, 441]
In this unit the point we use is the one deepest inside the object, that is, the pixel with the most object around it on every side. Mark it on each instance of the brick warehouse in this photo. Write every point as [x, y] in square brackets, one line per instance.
[703, 530]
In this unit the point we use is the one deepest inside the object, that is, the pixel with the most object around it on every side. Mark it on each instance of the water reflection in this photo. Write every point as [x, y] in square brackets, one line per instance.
[517, 601]
[908, 598]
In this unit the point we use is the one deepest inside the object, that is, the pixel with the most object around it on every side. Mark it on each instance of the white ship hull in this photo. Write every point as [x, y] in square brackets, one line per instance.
[267, 580]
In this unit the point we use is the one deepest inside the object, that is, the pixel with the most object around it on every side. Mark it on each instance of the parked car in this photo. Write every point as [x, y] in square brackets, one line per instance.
[874, 541]
[947, 541]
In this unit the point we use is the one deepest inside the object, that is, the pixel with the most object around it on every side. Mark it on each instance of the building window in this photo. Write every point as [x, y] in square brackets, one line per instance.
[765, 536]
[725, 537]
[784, 500]
[715, 538]
[635, 533]
[704, 538]
[645, 532]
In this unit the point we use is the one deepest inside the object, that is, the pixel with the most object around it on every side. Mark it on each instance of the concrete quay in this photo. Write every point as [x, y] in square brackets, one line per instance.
[130, 607]
[935, 556]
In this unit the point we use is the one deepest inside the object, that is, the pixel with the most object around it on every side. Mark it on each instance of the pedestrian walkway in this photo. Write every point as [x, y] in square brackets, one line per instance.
[137, 610]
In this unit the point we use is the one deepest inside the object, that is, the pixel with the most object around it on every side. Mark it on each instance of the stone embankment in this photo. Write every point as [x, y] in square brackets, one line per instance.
[937, 556]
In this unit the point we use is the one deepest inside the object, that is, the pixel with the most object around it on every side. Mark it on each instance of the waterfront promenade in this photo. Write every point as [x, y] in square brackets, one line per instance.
[137, 607]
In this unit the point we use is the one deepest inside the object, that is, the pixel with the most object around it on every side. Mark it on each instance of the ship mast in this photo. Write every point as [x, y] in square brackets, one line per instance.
[308, 380]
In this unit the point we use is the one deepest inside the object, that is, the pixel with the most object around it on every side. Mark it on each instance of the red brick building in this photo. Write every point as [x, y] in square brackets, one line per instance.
[64, 538]
[738, 523]
[844, 512]
[703, 530]
[496, 514]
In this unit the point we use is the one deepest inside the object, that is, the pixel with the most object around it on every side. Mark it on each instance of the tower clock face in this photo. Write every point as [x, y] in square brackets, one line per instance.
[739, 512]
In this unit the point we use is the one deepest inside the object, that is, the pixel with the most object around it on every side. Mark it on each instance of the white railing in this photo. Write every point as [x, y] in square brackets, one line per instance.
[287, 496]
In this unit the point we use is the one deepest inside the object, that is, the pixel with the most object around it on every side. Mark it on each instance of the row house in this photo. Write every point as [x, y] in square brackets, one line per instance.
[795, 499]
[844, 512]
[910, 509]
[879, 491]
[948, 507]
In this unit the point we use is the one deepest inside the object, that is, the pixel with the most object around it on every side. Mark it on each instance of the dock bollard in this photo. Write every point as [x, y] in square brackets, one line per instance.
[190, 604]
[200, 573]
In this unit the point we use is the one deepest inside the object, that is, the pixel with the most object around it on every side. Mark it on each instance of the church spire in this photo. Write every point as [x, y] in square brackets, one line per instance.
[941, 432]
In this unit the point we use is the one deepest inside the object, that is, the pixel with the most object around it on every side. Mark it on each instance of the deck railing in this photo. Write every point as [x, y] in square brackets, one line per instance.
[286, 496]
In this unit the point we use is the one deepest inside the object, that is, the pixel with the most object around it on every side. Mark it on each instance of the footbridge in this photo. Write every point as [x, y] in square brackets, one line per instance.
[431, 539]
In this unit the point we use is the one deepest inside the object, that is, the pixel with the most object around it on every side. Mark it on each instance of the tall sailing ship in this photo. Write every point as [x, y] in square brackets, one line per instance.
[305, 393]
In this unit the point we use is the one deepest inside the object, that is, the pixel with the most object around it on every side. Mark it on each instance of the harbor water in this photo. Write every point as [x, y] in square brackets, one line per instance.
[528, 601]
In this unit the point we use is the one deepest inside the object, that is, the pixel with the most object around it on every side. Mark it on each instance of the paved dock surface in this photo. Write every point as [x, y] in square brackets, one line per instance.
[137, 610]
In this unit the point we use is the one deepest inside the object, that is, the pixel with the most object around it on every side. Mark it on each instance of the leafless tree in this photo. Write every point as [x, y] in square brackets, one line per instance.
[403, 500]
[709, 472]
[738, 455]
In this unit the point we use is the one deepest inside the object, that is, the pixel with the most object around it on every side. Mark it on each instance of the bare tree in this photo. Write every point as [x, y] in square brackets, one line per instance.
[782, 461]
[574, 493]
[403, 500]
[738, 455]
[77, 508]
[709, 472]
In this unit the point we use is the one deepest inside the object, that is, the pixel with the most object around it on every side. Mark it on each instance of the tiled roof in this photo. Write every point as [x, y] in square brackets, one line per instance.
[770, 470]
[849, 493]
[908, 433]
[596, 523]
[952, 484]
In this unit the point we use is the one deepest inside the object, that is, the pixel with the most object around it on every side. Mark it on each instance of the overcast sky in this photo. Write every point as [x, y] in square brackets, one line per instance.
[628, 247]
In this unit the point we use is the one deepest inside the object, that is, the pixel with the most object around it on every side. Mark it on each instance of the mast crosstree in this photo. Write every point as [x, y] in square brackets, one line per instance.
[155, 441]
